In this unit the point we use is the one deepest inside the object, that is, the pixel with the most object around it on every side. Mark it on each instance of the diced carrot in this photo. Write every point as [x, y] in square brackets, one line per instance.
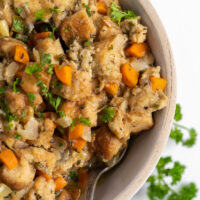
[129, 75]
[9, 159]
[111, 88]
[137, 49]
[158, 83]
[77, 132]
[64, 74]
[21, 54]
[41, 36]
[60, 183]
[78, 144]
[83, 178]
[102, 8]
[46, 176]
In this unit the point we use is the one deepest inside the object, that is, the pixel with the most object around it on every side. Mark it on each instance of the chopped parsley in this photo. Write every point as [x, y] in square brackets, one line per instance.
[61, 113]
[17, 136]
[27, 3]
[49, 69]
[67, 30]
[46, 59]
[60, 144]
[73, 176]
[23, 114]
[42, 115]
[17, 24]
[44, 88]
[58, 85]
[2, 90]
[80, 120]
[118, 15]
[18, 10]
[31, 98]
[177, 131]
[87, 43]
[33, 69]
[107, 115]
[54, 101]
[15, 84]
[39, 15]
[87, 9]
[51, 35]
[9, 126]
[54, 10]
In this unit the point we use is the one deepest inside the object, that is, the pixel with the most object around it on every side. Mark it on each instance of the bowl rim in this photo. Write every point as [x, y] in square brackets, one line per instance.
[135, 185]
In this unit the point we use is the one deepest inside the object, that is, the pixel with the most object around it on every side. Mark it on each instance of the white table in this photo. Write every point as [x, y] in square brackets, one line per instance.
[181, 19]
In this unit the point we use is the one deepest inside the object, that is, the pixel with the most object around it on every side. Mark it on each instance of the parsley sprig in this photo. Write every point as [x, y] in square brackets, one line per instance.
[108, 115]
[177, 132]
[118, 15]
[159, 188]
[80, 120]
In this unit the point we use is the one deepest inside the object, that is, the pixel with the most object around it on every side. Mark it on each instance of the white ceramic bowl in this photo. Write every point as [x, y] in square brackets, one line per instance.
[145, 150]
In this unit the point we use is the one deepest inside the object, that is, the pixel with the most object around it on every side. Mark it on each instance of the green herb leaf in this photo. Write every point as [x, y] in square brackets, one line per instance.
[39, 15]
[44, 88]
[46, 59]
[33, 69]
[50, 68]
[17, 24]
[108, 115]
[87, 9]
[192, 138]
[176, 135]
[80, 120]
[54, 101]
[54, 10]
[87, 43]
[118, 15]
[67, 30]
[2, 90]
[61, 113]
[31, 98]
[18, 10]
[15, 84]
[178, 115]
[17, 136]
[73, 176]
[58, 85]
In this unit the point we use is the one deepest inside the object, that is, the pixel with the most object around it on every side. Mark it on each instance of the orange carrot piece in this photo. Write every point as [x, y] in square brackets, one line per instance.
[21, 54]
[78, 144]
[64, 74]
[83, 178]
[41, 36]
[129, 75]
[102, 8]
[111, 88]
[77, 132]
[46, 176]
[158, 83]
[137, 49]
[9, 159]
[60, 183]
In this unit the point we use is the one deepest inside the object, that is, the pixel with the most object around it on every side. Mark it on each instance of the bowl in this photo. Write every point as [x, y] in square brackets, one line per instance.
[145, 149]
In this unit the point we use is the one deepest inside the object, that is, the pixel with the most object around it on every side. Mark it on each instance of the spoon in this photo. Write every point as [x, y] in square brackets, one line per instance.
[97, 172]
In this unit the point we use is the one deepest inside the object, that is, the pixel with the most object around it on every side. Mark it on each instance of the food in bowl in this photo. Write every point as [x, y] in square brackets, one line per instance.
[77, 78]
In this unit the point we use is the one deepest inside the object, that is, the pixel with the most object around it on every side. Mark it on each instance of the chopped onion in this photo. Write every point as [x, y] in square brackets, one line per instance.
[4, 191]
[64, 121]
[4, 29]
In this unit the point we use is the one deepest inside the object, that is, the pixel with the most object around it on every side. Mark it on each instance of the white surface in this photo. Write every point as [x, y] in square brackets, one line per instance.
[181, 19]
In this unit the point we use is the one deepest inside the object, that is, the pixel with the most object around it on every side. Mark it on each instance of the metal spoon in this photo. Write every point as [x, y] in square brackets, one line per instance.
[96, 173]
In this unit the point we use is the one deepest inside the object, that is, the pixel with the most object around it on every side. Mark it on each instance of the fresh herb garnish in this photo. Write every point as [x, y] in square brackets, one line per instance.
[27, 3]
[80, 120]
[15, 84]
[159, 188]
[67, 30]
[17, 136]
[54, 101]
[39, 15]
[23, 114]
[46, 59]
[18, 10]
[17, 24]
[60, 144]
[87, 43]
[73, 176]
[51, 35]
[87, 9]
[33, 69]
[58, 85]
[54, 10]
[42, 115]
[61, 113]
[49, 69]
[118, 15]
[178, 130]
[31, 98]
[44, 88]
[9, 126]
[107, 115]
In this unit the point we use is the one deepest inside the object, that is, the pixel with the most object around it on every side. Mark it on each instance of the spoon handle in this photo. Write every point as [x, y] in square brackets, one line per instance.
[91, 185]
